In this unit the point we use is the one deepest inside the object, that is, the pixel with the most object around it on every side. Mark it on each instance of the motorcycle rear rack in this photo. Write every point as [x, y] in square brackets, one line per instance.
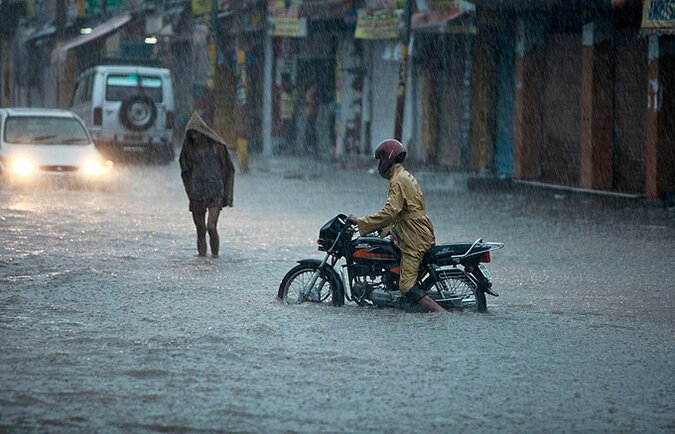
[493, 246]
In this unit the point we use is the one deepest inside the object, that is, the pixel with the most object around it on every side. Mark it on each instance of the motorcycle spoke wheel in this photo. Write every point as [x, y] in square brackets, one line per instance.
[456, 290]
[297, 279]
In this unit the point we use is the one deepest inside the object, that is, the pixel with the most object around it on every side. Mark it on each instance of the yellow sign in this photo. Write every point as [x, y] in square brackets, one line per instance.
[442, 4]
[30, 8]
[292, 27]
[279, 5]
[285, 18]
[658, 14]
[382, 24]
[203, 7]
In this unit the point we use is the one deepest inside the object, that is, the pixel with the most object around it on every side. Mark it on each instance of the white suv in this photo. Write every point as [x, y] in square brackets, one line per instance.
[128, 109]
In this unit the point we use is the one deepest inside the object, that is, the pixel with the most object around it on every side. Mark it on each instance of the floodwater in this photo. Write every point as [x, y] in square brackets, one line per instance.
[109, 322]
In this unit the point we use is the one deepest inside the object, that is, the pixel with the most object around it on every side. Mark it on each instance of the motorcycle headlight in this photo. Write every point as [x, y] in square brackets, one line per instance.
[95, 167]
[22, 166]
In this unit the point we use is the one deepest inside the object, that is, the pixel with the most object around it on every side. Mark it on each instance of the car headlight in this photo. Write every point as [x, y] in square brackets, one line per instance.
[22, 166]
[95, 167]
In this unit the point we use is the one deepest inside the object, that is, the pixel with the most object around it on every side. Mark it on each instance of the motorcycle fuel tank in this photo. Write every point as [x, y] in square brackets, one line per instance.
[374, 249]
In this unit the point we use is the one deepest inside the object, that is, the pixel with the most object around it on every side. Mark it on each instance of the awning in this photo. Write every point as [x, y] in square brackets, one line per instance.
[436, 15]
[290, 17]
[326, 9]
[445, 16]
[658, 16]
[42, 33]
[113, 24]
[429, 20]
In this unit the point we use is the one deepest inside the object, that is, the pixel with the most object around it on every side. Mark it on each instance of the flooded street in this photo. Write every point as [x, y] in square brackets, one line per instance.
[109, 322]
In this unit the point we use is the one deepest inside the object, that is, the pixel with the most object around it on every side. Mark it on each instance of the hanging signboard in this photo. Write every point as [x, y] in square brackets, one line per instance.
[374, 5]
[95, 7]
[659, 15]
[285, 19]
[379, 24]
[292, 27]
[203, 7]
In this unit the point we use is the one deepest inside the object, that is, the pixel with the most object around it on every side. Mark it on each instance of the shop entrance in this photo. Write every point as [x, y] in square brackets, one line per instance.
[314, 113]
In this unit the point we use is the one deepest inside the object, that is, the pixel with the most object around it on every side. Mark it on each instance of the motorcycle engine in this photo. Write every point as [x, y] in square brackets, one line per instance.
[369, 280]
[361, 289]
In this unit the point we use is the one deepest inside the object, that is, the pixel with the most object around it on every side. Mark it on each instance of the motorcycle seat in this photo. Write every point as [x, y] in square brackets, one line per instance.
[445, 252]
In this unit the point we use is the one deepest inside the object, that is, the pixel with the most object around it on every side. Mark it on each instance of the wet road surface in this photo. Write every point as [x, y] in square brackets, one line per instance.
[109, 322]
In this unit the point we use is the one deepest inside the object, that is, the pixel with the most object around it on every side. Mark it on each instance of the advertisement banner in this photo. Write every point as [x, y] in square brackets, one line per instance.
[381, 24]
[292, 27]
[285, 19]
[659, 15]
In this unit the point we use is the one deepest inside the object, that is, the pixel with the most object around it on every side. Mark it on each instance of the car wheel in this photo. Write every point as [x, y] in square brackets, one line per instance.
[138, 113]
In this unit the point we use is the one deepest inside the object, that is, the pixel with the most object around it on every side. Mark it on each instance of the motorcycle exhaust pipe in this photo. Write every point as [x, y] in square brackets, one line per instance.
[380, 297]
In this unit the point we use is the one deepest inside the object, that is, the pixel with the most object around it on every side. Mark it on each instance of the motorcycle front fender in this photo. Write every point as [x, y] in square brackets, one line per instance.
[327, 271]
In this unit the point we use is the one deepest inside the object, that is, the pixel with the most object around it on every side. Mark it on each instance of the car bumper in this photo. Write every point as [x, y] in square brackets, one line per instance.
[131, 142]
[60, 179]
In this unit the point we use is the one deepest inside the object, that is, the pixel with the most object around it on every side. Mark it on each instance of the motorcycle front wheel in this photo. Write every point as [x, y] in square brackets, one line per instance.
[296, 280]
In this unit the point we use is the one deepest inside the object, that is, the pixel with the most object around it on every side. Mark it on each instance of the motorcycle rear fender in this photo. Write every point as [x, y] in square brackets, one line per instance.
[326, 271]
[483, 282]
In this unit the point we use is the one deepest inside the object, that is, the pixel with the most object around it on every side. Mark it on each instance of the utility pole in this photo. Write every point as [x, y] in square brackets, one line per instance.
[214, 83]
[60, 36]
[241, 87]
[403, 73]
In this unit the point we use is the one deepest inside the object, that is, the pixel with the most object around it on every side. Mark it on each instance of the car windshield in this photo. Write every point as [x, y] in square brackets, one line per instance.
[44, 130]
[121, 87]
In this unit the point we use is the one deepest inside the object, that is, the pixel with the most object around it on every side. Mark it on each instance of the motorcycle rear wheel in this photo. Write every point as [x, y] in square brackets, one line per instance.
[470, 294]
[298, 277]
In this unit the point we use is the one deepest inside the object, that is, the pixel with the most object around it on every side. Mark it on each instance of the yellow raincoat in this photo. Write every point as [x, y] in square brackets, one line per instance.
[405, 216]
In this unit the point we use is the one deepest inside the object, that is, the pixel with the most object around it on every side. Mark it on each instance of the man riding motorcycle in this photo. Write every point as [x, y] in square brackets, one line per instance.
[404, 217]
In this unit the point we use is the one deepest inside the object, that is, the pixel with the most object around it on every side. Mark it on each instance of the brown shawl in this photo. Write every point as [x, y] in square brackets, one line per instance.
[197, 124]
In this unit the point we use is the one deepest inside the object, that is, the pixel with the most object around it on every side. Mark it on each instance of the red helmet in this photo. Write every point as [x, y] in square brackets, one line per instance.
[389, 152]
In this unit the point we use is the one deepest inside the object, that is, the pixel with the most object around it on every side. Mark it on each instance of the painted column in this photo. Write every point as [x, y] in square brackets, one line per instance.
[268, 146]
[4, 70]
[660, 134]
[596, 106]
[527, 134]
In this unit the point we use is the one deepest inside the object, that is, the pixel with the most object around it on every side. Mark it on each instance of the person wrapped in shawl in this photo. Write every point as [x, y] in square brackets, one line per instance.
[208, 176]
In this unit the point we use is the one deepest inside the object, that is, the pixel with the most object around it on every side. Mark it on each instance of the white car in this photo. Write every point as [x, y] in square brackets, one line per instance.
[48, 144]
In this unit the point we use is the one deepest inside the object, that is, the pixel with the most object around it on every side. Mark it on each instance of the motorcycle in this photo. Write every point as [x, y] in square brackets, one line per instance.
[454, 275]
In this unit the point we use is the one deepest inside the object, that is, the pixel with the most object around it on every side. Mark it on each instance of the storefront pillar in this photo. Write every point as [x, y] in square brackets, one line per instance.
[660, 135]
[527, 132]
[596, 106]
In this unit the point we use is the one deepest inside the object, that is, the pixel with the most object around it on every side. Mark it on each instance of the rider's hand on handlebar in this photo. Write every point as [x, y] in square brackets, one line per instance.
[352, 219]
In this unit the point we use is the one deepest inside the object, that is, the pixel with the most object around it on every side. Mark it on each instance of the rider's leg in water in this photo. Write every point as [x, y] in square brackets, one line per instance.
[408, 283]
[416, 295]
[431, 304]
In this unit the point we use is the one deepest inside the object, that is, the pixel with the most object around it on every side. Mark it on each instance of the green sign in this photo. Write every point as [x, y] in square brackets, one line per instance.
[95, 7]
